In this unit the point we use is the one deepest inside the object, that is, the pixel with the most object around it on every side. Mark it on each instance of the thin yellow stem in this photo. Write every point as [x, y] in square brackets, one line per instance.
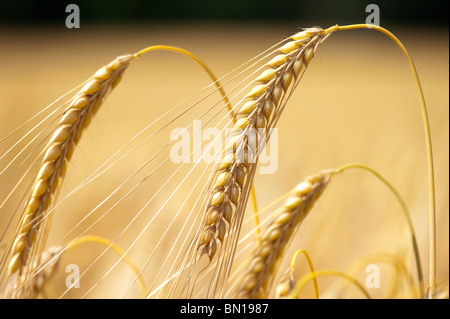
[426, 124]
[256, 215]
[117, 249]
[405, 213]
[326, 273]
[311, 269]
[196, 59]
[379, 257]
[225, 98]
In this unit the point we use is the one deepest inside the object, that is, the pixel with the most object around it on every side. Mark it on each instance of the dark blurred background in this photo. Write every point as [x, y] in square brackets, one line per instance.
[416, 12]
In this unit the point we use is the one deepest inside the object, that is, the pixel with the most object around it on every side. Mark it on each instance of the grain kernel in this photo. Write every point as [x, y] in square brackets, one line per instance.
[217, 198]
[222, 179]
[266, 76]
[277, 61]
[248, 107]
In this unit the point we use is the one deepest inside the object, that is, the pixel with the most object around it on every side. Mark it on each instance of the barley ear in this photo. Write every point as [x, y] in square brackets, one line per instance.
[58, 153]
[258, 277]
[257, 115]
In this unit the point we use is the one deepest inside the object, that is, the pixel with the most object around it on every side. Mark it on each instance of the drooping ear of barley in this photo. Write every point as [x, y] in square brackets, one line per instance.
[58, 152]
[262, 108]
[257, 279]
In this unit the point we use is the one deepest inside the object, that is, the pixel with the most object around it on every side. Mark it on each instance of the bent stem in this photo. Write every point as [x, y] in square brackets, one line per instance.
[426, 125]
[326, 273]
[311, 269]
[117, 249]
[405, 213]
[381, 257]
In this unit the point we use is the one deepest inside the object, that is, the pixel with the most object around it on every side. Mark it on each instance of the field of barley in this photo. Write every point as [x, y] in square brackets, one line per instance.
[356, 102]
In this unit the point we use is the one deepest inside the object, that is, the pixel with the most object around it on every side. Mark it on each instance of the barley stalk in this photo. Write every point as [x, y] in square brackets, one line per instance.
[58, 153]
[257, 279]
[258, 114]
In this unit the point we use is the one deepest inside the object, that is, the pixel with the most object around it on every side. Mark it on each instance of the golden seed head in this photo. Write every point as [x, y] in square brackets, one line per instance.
[282, 290]
[206, 236]
[248, 107]
[222, 179]
[289, 47]
[46, 170]
[257, 91]
[19, 243]
[40, 188]
[70, 116]
[53, 152]
[266, 75]
[241, 123]
[80, 102]
[212, 248]
[293, 202]
[227, 212]
[61, 133]
[283, 218]
[102, 74]
[227, 160]
[301, 35]
[217, 198]
[257, 265]
[286, 81]
[114, 65]
[276, 94]
[91, 87]
[221, 230]
[278, 60]
[211, 217]
[240, 175]
[233, 142]
[33, 205]
[315, 178]
[308, 55]
[234, 194]
[249, 158]
[260, 121]
[268, 109]
[298, 67]
[265, 250]
[27, 223]
[14, 264]
[274, 234]
[303, 188]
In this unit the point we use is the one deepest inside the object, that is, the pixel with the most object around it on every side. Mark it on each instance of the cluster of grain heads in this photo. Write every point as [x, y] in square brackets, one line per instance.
[57, 154]
[254, 119]
[257, 279]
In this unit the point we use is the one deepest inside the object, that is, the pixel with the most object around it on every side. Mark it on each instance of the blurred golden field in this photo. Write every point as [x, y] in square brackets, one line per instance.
[356, 103]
